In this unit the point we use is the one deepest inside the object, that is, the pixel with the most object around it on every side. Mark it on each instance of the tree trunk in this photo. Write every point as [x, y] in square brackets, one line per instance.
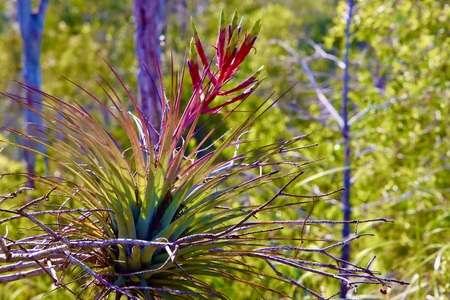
[31, 28]
[149, 15]
[347, 207]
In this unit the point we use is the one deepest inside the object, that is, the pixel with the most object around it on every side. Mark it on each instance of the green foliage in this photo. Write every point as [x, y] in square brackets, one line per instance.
[400, 50]
[400, 146]
[76, 36]
[155, 220]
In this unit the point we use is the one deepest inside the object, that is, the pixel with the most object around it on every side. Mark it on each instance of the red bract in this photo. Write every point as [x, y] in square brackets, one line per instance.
[193, 66]
[208, 83]
[220, 47]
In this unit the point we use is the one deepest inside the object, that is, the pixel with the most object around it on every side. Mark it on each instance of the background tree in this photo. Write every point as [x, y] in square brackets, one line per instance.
[149, 16]
[31, 27]
[399, 83]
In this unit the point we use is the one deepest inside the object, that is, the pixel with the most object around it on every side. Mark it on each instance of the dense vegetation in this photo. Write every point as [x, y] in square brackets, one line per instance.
[399, 91]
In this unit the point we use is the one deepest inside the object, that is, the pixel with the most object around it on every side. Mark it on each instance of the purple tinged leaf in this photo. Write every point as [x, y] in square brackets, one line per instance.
[198, 45]
[220, 47]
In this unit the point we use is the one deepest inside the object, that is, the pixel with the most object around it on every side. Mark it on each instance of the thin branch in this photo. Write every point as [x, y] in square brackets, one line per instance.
[312, 196]
[368, 109]
[54, 252]
[377, 280]
[321, 53]
[33, 202]
[5, 249]
[310, 222]
[294, 281]
[319, 250]
[44, 227]
[259, 208]
[320, 95]
[42, 9]
[15, 193]
[23, 265]
[98, 278]
[21, 275]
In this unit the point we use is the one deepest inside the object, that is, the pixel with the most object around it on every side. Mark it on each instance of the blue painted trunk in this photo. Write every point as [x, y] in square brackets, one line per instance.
[31, 27]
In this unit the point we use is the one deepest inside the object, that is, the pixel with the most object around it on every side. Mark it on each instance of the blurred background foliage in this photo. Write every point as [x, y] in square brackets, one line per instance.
[400, 91]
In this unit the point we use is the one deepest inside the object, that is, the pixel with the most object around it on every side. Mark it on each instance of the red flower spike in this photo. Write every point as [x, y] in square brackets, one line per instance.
[242, 53]
[234, 21]
[199, 45]
[225, 70]
[247, 44]
[229, 55]
[252, 79]
[241, 96]
[194, 71]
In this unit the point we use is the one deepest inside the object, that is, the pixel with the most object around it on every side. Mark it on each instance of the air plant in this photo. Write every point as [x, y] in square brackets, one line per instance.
[154, 219]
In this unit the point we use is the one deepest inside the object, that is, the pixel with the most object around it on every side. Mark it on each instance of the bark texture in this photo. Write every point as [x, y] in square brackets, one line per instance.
[149, 15]
[346, 204]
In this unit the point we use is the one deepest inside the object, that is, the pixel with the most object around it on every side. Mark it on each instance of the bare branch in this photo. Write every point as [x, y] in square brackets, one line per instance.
[15, 193]
[310, 222]
[21, 275]
[312, 196]
[320, 95]
[47, 253]
[33, 202]
[322, 54]
[98, 278]
[295, 282]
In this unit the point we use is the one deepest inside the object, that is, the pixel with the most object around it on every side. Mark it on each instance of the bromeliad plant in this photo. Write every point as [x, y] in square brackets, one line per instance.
[154, 219]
